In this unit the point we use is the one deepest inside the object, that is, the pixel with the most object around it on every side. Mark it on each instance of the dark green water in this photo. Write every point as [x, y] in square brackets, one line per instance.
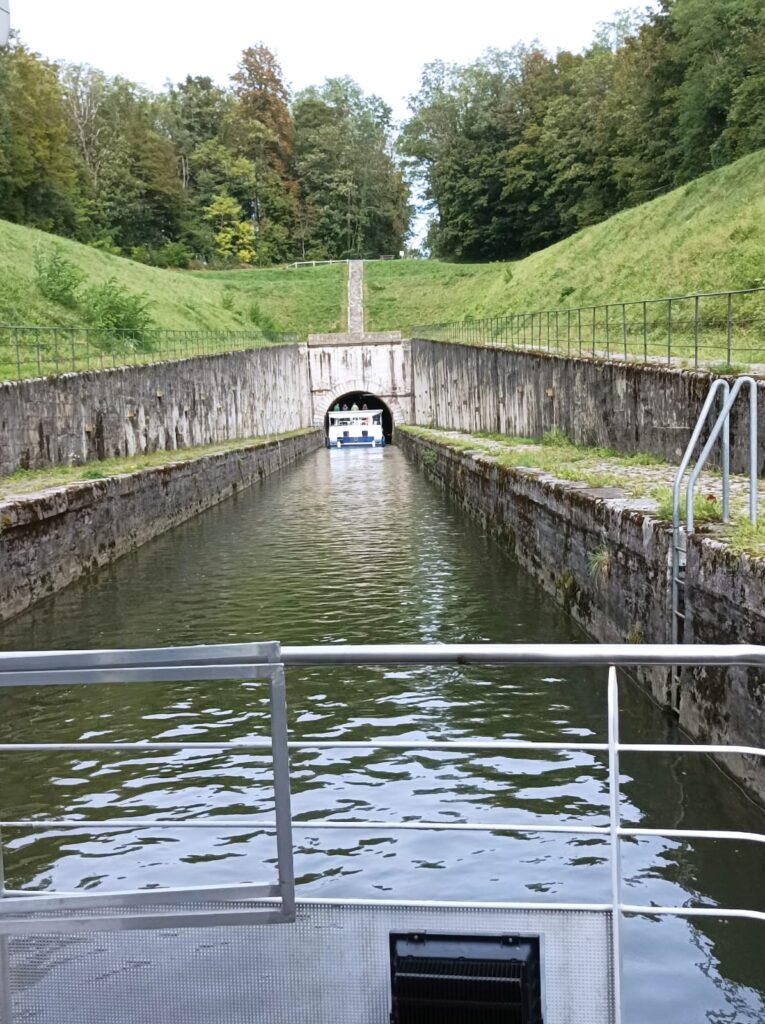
[357, 547]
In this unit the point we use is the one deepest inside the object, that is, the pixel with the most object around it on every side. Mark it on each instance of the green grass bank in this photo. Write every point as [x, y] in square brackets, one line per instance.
[295, 300]
[708, 235]
[641, 477]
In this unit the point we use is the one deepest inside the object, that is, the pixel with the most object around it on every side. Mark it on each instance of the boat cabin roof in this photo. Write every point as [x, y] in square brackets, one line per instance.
[355, 414]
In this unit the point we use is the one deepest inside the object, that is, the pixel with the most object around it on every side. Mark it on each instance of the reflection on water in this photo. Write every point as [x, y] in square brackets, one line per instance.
[356, 547]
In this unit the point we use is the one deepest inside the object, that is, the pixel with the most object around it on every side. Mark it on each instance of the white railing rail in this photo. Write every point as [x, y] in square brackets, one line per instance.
[24, 912]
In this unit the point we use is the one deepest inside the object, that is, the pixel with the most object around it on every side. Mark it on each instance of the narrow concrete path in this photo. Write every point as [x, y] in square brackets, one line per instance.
[623, 478]
[356, 298]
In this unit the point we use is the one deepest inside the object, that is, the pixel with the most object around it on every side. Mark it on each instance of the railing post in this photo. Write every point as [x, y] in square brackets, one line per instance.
[568, 332]
[624, 328]
[645, 331]
[282, 801]
[608, 335]
[669, 332]
[593, 332]
[6, 1006]
[614, 822]
[729, 327]
[678, 551]
[753, 454]
[696, 332]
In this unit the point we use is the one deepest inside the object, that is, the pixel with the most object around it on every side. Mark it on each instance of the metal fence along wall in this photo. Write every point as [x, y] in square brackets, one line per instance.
[45, 351]
[725, 329]
[698, 330]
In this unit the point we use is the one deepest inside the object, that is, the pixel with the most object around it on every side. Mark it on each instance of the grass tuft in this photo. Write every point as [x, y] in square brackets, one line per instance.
[706, 507]
[746, 538]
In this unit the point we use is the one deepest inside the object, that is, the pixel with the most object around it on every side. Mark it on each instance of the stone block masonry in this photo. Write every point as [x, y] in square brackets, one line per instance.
[50, 539]
[628, 407]
[99, 414]
[553, 528]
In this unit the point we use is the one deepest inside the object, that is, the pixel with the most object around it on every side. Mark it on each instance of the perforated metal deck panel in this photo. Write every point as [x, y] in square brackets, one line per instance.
[330, 967]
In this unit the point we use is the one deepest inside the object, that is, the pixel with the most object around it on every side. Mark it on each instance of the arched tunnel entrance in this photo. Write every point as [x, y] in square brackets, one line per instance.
[360, 399]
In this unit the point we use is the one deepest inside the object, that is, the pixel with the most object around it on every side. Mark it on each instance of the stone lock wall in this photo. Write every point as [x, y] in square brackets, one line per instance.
[95, 415]
[50, 539]
[552, 527]
[631, 408]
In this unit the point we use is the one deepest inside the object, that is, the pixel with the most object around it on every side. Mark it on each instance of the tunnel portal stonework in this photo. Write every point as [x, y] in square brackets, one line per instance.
[380, 364]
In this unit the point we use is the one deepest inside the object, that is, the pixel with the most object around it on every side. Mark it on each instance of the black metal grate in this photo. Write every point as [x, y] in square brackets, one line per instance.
[456, 979]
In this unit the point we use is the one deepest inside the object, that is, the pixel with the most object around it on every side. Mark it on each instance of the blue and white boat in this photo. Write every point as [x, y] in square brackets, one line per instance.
[354, 428]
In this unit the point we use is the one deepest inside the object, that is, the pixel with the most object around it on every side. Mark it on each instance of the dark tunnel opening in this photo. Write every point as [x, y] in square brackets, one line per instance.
[360, 399]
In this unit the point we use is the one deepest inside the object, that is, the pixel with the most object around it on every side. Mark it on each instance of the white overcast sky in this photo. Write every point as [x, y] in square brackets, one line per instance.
[383, 45]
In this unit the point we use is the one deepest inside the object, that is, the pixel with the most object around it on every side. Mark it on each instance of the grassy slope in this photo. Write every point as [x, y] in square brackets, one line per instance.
[297, 300]
[306, 299]
[708, 235]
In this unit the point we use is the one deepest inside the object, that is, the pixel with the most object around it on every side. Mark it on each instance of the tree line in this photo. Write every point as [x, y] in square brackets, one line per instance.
[511, 152]
[247, 174]
[520, 148]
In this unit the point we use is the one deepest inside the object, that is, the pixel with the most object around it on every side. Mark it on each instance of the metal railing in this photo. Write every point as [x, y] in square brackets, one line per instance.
[31, 912]
[314, 263]
[351, 259]
[680, 536]
[701, 329]
[27, 352]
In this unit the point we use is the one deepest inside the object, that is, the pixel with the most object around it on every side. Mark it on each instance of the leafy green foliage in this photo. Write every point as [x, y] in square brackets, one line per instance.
[599, 564]
[222, 176]
[706, 507]
[112, 307]
[38, 170]
[555, 438]
[520, 148]
[57, 277]
[234, 237]
[746, 538]
[354, 200]
[266, 323]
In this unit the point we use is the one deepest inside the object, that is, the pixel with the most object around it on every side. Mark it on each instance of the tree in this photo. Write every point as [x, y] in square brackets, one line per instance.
[193, 114]
[354, 200]
[721, 45]
[38, 177]
[85, 93]
[260, 129]
[233, 236]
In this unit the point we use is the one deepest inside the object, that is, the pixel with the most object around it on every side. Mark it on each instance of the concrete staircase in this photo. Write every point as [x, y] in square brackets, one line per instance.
[355, 334]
